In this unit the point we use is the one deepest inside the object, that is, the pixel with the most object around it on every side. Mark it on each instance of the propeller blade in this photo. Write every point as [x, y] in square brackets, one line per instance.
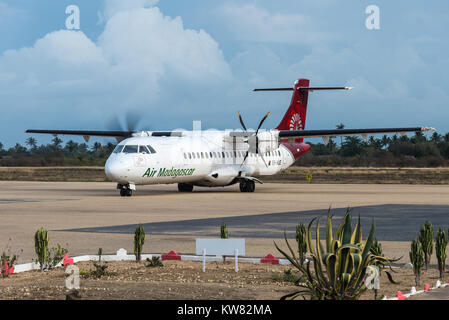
[114, 123]
[132, 120]
[261, 122]
[241, 122]
[244, 159]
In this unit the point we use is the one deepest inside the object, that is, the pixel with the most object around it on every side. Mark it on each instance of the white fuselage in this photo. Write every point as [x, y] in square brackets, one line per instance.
[212, 159]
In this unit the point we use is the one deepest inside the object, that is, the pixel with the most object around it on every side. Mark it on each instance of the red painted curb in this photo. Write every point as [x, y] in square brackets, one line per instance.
[66, 260]
[269, 258]
[172, 255]
[7, 270]
[400, 296]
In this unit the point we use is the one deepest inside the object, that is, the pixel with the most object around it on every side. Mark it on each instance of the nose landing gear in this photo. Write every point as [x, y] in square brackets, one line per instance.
[126, 190]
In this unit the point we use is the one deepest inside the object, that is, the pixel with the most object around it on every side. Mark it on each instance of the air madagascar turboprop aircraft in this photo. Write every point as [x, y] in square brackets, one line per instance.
[214, 158]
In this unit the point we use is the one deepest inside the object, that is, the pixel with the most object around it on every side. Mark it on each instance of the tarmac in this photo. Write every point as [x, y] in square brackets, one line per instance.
[86, 216]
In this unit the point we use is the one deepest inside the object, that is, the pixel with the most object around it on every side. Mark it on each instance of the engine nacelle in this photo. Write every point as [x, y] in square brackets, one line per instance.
[268, 141]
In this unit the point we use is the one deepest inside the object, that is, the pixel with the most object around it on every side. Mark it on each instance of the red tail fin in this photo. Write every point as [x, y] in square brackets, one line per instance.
[295, 117]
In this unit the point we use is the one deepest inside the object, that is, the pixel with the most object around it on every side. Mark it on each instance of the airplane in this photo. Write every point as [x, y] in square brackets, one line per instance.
[217, 158]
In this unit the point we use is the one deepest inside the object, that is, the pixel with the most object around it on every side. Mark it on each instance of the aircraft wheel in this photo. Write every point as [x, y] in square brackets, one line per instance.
[243, 186]
[129, 192]
[185, 187]
[251, 186]
[122, 192]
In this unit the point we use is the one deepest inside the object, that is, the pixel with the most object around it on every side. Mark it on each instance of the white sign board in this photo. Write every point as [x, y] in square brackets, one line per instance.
[220, 247]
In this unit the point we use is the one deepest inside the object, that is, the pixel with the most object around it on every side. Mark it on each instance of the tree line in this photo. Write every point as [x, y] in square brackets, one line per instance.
[55, 153]
[417, 150]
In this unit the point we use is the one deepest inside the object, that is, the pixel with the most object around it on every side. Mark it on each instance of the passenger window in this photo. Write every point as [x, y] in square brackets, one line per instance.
[190, 155]
[118, 148]
[130, 149]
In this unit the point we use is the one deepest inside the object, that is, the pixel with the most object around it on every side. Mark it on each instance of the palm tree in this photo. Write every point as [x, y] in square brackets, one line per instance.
[32, 143]
[71, 147]
[340, 126]
[56, 143]
[97, 148]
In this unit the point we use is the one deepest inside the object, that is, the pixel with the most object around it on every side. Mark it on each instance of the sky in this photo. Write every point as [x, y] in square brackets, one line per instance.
[173, 62]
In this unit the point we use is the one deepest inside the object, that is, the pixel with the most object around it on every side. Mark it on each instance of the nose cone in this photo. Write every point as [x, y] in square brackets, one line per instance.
[114, 169]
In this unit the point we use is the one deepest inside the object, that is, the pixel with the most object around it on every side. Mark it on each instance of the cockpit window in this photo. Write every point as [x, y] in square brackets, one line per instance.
[118, 148]
[151, 149]
[130, 149]
[143, 149]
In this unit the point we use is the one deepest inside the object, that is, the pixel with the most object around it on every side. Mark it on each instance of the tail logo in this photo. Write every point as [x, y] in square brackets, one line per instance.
[295, 122]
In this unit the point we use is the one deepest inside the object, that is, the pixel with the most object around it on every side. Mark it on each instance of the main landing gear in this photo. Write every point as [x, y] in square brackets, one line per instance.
[185, 187]
[126, 190]
[247, 186]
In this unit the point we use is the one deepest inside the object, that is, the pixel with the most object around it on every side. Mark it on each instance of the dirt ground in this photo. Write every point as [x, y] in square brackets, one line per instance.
[294, 174]
[180, 280]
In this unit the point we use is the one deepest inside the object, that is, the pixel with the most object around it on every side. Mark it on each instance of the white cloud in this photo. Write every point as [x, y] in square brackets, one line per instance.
[68, 76]
[252, 23]
[112, 7]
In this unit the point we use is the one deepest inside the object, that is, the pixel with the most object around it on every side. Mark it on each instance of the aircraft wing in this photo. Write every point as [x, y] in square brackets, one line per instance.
[119, 135]
[325, 134]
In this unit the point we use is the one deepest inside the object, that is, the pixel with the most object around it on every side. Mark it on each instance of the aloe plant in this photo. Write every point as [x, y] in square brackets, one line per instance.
[376, 249]
[417, 258]
[339, 267]
[139, 240]
[426, 239]
[301, 239]
[440, 250]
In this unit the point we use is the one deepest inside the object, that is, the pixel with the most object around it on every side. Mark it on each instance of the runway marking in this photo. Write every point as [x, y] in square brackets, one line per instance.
[393, 223]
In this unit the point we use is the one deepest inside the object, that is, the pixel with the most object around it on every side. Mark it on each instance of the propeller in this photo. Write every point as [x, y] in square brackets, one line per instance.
[255, 134]
[132, 121]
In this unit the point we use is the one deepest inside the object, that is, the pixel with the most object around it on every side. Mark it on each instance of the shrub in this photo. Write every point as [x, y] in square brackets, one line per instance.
[426, 239]
[47, 258]
[340, 266]
[139, 240]
[440, 250]
[417, 259]
[7, 260]
[224, 231]
[100, 270]
[154, 262]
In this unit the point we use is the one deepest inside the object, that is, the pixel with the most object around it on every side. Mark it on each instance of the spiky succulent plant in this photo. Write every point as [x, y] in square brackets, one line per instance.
[340, 266]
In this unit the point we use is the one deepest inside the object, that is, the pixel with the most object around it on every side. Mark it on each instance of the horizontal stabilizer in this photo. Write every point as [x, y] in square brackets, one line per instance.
[304, 89]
